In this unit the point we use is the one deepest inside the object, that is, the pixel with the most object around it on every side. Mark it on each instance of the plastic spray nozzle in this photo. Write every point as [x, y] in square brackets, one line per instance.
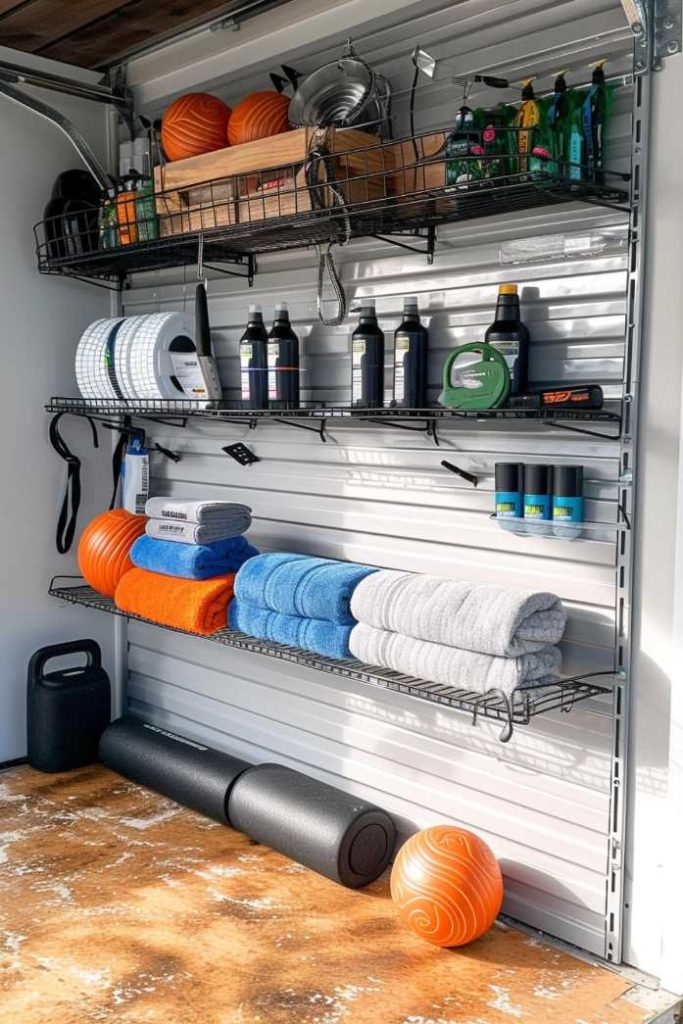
[599, 72]
[528, 89]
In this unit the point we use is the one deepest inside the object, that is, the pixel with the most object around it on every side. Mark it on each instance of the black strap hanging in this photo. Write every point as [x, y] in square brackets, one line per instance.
[68, 514]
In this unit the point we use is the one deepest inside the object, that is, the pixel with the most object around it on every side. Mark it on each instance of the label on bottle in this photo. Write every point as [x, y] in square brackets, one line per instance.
[537, 506]
[510, 353]
[358, 348]
[401, 347]
[575, 155]
[246, 351]
[273, 356]
[188, 372]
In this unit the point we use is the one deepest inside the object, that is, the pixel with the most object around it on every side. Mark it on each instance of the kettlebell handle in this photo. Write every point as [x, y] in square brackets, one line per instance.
[488, 352]
[39, 659]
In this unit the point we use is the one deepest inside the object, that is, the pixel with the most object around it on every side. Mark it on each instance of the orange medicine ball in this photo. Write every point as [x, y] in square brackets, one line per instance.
[258, 116]
[193, 124]
[104, 548]
[447, 885]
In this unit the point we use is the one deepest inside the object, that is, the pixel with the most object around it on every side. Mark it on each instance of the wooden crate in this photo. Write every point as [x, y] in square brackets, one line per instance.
[235, 184]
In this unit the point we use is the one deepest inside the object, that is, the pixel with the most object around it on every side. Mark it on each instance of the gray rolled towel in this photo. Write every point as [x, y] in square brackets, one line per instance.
[478, 617]
[464, 670]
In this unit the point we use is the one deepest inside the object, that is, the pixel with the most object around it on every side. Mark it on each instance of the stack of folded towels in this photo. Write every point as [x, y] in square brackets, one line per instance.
[185, 563]
[471, 636]
[297, 600]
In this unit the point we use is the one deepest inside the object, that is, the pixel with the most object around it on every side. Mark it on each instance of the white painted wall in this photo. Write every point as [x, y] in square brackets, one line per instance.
[42, 319]
[653, 940]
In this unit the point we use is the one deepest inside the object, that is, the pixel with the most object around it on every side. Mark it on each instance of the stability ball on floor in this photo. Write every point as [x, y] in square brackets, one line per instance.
[447, 885]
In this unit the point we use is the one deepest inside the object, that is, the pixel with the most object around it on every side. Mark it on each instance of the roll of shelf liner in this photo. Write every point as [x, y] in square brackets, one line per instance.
[185, 770]
[154, 351]
[334, 833]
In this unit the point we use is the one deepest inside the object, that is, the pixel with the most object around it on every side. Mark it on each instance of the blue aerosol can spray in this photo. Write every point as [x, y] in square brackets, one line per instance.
[509, 490]
[567, 500]
[538, 490]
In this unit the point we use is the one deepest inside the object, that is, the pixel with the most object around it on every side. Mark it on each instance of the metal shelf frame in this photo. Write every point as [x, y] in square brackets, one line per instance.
[516, 709]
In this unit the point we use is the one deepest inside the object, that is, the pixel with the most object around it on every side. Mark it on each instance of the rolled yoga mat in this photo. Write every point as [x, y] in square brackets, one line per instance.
[184, 770]
[334, 833]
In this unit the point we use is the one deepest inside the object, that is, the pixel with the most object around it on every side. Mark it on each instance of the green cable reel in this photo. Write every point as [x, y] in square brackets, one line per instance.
[481, 385]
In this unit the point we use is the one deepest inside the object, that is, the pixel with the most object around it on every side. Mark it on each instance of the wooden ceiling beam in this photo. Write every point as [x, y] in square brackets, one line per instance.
[39, 23]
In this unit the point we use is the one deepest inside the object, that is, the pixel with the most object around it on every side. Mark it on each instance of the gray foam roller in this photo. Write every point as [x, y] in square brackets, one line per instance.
[185, 770]
[334, 833]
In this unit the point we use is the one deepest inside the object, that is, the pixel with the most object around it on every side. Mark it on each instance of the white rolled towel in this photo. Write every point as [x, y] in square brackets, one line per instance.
[464, 670]
[478, 617]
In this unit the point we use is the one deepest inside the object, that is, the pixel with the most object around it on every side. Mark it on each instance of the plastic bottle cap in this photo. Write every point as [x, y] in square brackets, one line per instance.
[568, 481]
[507, 289]
[255, 308]
[410, 300]
[538, 479]
[510, 476]
[367, 305]
[281, 307]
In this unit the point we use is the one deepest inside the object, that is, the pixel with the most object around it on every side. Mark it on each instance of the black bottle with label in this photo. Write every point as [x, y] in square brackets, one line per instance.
[410, 359]
[254, 362]
[509, 335]
[367, 358]
[283, 362]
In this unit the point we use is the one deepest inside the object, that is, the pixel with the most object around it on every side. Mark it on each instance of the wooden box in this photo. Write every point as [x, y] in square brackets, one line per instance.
[418, 172]
[236, 184]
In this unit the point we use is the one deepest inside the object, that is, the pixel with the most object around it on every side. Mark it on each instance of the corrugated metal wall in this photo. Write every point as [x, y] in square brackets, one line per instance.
[379, 495]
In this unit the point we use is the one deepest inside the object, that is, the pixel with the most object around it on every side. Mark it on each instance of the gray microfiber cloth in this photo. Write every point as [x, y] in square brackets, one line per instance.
[478, 617]
[464, 670]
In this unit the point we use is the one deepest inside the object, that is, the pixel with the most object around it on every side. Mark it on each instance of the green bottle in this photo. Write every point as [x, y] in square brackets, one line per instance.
[541, 162]
[558, 116]
[463, 149]
[594, 119]
[575, 147]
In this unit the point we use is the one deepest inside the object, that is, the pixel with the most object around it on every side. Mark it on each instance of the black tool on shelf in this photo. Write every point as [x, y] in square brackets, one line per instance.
[516, 709]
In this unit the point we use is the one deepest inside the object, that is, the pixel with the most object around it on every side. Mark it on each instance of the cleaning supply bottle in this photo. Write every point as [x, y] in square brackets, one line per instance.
[575, 148]
[567, 500]
[283, 362]
[526, 122]
[367, 360]
[558, 122]
[145, 204]
[508, 334]
[594, 115]
[254, 361]
[107, 221]
[541, 163]
[509, 478]
[464, 150]
[125, 210]
[410, 359]
[538, 490]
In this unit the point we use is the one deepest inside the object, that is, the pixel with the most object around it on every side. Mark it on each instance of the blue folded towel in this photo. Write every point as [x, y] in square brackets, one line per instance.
[317, 635]
[313, 588]
[191, 561]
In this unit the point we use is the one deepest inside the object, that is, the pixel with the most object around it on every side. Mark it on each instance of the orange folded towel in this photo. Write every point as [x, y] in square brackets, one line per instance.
[199, 606]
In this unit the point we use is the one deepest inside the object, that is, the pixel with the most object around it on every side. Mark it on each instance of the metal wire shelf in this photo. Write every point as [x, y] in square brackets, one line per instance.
[517, 709]
[316, 416]
[338, 192]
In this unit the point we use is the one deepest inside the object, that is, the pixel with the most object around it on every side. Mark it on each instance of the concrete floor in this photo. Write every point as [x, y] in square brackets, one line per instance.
[118, 905]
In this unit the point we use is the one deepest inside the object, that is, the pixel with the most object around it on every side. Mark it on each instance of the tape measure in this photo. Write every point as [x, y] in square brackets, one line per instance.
[475, 384]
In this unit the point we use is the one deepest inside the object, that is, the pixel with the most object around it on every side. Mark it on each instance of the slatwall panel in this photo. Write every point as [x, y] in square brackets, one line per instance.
[379, 495]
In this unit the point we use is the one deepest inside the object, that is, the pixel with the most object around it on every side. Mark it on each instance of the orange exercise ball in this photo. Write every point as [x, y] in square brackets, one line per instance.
[447, 885]
[258, 116]
[193, 124]
[104, 548]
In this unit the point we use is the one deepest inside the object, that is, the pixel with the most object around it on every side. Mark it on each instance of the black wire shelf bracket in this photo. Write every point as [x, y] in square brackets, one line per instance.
[515, 709]
[317, 418]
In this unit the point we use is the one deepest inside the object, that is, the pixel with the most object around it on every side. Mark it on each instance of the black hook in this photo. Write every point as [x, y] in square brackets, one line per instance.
[470, 477]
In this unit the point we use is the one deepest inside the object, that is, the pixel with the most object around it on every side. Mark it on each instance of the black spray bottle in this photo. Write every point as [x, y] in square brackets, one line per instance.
[410, 359]
[283, 362]
[367, 358]
[254, 362]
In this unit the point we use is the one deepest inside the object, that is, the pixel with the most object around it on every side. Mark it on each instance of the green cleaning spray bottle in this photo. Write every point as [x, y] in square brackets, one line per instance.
[558, 121]
[463, 150]
[526, 121]
[594, 116]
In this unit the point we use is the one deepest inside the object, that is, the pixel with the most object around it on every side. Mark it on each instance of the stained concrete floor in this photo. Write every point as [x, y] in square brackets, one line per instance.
[118, 905]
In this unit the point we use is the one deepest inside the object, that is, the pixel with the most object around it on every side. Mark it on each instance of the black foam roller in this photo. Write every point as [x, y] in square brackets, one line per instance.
[334, 833]
[182, 769]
